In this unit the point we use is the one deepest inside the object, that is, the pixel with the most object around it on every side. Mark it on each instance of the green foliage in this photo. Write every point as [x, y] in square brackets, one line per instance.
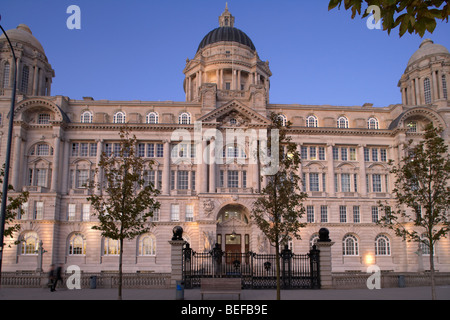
[422, 186]
[14, 203]
[126, 202]
[410, 16]
[278, 210]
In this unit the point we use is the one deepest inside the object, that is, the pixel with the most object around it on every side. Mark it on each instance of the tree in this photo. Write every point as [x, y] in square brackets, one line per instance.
[422, 186]
[411, 16]
[14, 204]
[278, 210]
[126, 200]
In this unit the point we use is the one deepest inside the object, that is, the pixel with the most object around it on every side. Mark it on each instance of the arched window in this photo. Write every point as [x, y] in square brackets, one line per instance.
[372, 123]
[147, 245]
[77, 245]
[382, 246]
[111, 247]
[29, 244]
[342, 122]
[427, 90]
[86, 117]
[6, 72]
[152, 118]
[350, 246]
[412, 126]
[283, 119]
[184, 118]
[312, 122]
[119, 117]
[25, 78]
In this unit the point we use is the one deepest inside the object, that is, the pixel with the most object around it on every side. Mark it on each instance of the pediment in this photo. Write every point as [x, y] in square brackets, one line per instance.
[234, 114]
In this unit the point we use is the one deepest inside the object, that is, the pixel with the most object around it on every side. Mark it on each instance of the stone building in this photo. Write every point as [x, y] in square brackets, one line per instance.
[57, 142]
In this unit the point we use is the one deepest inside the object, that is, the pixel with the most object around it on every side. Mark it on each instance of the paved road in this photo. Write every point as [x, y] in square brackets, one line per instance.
[415, 293]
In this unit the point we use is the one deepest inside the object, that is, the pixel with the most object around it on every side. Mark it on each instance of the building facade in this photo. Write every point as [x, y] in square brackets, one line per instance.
[57, 143]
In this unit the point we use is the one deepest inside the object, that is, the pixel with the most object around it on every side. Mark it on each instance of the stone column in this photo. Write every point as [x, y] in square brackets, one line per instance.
[56, 158]
[166, 169]
[330, 165]
[16, 166]
[176, 255]
[324, 245]
[212, 166]
[362, 170]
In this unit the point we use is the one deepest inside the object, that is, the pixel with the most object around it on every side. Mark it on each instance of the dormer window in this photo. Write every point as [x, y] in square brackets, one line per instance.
[119, 117]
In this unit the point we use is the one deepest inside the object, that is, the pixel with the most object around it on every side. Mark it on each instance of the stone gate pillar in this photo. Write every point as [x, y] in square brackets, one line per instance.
[324, 245]
[176, 255]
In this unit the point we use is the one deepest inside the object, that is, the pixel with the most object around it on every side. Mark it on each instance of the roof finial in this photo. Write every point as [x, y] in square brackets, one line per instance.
[226, 19]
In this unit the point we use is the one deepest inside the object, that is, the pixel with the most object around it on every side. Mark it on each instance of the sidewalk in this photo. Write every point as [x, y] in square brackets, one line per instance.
[415, 293]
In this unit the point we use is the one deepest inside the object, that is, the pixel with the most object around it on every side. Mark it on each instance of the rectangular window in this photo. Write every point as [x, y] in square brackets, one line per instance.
[343, 214]
[84, 149]
[321, 153]
[221, 179]
[310, 214]
[189, 212]
[323, 214]
[108, 149]
[75, 148]
[313, 182]
[93, 150]
[159, 150]
[82, 179]
[38, 210]
[183, 180]
[335, 153]
[345, 182]
[150, 150]
[312, 153]
[23, 212]
[375, 154]
[304, 153]
[141, 150]
[383, 155]
[40, 178]
[155, 216]
[374, 214]
[336, 183]
[193, 180]
[356, 215]
[366, 154]
[175, 212]
[172, 180]
[344, 156]
[71, 211]
[324, 182]
[233, 179]
[352, 154]
[376, 183]
[355, 182]
[244, 179]
[86, 211]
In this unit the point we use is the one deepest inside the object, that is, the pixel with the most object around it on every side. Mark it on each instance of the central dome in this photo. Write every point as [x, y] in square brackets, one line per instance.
[229, 34]
[226, 32]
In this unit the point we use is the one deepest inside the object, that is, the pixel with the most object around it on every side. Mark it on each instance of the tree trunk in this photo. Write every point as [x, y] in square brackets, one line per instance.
[277, 259]
[120, 269]
[433, 282]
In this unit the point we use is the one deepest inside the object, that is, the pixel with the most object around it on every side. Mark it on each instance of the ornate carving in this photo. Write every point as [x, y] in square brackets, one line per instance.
[208, 206]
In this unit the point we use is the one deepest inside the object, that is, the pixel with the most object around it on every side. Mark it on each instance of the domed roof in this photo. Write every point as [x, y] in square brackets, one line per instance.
[230, 34]
[426, 48]
[23, 34]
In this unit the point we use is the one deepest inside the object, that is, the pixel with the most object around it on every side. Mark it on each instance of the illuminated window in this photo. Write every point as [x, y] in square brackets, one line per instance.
[111, 247]
[147, 245]
[29, 244]
[77, 245]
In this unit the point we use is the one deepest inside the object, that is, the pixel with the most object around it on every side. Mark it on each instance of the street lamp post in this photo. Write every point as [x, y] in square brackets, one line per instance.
[8, 154]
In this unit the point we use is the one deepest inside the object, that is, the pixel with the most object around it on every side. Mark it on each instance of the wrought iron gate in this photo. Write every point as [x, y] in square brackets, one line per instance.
[257, 271]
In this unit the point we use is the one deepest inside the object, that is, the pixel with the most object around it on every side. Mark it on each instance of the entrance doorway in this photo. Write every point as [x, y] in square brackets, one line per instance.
[233, 232]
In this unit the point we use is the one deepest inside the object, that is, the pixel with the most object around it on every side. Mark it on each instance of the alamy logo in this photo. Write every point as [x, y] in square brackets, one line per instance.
[74, 280]
[374, 280]
[74, 21]
[374, 21]
[233, 144]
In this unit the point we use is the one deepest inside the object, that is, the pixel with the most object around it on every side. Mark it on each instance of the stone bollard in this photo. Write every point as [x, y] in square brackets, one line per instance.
[324, 245]
[176, 244]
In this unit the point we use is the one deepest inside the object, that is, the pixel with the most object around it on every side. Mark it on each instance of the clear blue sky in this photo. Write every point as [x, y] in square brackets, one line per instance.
[137, 49]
